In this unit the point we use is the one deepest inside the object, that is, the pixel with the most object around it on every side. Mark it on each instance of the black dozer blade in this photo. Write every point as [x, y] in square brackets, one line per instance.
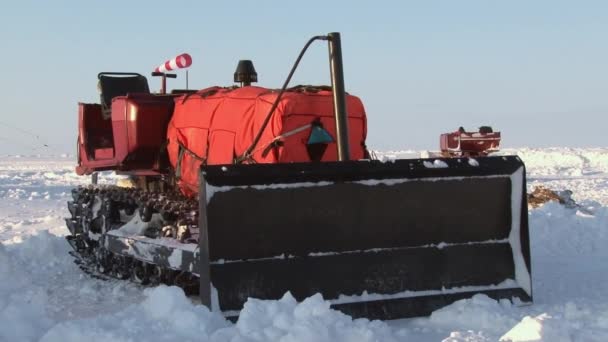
[379, 240]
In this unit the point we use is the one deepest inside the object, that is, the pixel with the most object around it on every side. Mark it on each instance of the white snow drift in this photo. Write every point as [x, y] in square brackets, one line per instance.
[45, 297]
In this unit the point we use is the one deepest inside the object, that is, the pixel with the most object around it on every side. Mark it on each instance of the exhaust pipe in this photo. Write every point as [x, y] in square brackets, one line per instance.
[339, 96]
[337, 86]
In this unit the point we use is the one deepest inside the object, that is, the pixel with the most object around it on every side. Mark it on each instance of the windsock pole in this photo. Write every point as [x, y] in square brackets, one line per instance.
[163, 81]
[163, 84]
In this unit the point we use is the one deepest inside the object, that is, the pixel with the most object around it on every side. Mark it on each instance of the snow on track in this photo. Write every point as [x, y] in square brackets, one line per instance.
[45, 297]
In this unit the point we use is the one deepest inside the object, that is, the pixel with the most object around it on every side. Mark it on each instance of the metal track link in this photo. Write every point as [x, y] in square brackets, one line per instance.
[96, 210]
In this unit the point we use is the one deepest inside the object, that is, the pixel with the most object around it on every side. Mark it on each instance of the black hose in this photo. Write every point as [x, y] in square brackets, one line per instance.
[257, 138]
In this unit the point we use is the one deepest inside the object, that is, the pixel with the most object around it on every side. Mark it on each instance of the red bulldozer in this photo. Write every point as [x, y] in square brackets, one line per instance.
[244, 191]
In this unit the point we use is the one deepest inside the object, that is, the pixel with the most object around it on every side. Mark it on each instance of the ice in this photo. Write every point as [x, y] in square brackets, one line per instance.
[45, 297]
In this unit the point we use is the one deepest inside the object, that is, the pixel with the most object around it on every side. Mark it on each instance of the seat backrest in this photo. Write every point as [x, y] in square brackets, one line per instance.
[113, 84]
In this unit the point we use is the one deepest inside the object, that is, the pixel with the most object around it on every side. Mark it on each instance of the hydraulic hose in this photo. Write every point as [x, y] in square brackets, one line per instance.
[258, 136]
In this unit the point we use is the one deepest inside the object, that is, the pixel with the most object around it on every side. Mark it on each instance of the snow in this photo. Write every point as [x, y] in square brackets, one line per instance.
[135, 226]
[536, 328]
[164, 315]
[45, 297]
[522, 274]
[507, 284]
[212, 190]
[436, 164]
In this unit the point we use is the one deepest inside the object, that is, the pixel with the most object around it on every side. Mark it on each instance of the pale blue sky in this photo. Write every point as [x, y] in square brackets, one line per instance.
[536, 70]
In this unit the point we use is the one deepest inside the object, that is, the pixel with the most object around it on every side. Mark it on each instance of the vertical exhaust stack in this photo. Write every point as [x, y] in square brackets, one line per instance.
[337, 85]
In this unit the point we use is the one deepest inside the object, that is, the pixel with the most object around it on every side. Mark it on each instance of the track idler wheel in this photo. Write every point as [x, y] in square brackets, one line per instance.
[140, 272]
[77, 243]
[169, 231]
[120, 267]
[157, 275]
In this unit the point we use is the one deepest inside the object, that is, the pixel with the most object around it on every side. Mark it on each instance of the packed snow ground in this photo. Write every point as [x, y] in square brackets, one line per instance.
[45, 297]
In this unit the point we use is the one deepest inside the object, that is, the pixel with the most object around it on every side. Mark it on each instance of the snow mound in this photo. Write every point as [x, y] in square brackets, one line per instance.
[568, 162]
[552, 162]
[477, 313]
[45, 296]
[311, 320]
[167, 315]
[560, 231]
[22, 306]
[468, 336]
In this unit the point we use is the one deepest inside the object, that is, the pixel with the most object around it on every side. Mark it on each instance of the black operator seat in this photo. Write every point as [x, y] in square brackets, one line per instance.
[113, 84]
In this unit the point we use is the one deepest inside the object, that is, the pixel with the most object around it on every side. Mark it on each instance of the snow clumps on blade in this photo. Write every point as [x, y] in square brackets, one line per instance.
[436, 164]
[473, 162]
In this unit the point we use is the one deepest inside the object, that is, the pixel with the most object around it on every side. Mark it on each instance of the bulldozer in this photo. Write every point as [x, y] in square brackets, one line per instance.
[245, 192]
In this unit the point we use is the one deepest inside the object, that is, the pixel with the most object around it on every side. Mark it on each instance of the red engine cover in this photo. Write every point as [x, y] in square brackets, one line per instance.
[216, 125]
